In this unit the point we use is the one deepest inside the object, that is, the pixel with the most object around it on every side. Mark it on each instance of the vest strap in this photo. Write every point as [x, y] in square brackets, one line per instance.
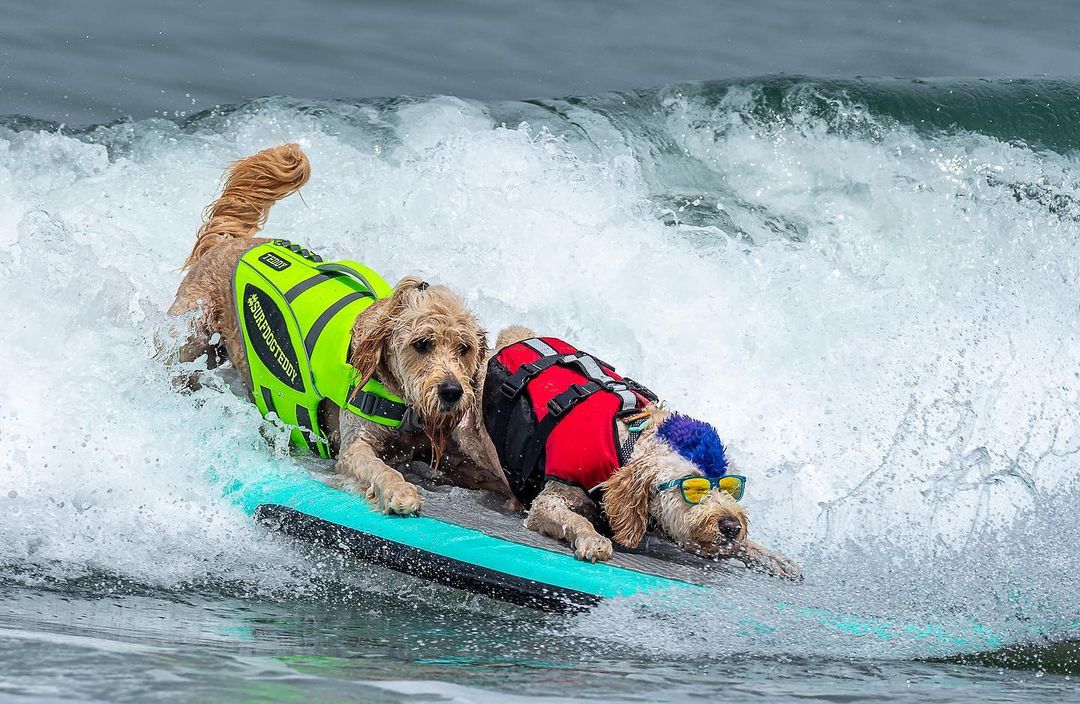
[304, 285]
[561, 404]
[557, 408]
[633, 433]
[626, 389]
[308, 430]
[640, 389]
[375, 403]
[513, 386]
[337, 268]
[333, 309]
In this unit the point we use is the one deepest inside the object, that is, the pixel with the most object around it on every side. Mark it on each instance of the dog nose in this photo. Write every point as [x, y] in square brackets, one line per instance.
[450, 392]
[730, 528]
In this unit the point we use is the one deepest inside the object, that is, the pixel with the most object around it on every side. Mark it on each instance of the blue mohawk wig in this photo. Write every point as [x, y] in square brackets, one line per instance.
[697, 441]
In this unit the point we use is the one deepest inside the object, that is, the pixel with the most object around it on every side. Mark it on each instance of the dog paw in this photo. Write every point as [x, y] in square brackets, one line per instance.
[592, 548]
[780, 566]
[758, 557]
[401, 498]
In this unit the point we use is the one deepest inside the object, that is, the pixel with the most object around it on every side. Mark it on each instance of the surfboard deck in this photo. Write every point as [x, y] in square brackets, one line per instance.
[467, 541]
[463, 539]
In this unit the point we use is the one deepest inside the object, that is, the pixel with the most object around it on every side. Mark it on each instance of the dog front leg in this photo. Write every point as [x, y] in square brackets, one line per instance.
[383, 485]
[757, 555]
[551, 514]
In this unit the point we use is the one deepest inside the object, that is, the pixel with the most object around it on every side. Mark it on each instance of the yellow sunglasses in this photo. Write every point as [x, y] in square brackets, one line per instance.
[695, 487]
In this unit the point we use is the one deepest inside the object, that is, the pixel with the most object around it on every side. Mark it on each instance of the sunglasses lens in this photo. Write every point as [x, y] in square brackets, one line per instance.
[733, 486]
[695, 489]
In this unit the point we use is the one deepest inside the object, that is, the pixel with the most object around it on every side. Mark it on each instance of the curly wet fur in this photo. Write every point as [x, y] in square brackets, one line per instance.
[631, 498]
[252, 185]
[382, 336]
[383, 344]
[717, 527]
[697, 441]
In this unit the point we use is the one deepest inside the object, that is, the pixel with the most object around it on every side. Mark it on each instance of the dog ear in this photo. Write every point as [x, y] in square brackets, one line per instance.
[626, 502]
[481, 353]
[374, 326]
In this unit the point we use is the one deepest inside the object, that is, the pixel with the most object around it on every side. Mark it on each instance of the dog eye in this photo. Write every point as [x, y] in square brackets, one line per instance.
[464, 350]
[422, 346]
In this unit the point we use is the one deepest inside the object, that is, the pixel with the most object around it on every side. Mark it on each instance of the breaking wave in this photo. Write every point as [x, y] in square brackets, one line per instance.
[869, 287]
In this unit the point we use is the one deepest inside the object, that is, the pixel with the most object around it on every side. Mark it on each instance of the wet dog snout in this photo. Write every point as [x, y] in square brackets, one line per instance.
[729, 528]
[450, 392]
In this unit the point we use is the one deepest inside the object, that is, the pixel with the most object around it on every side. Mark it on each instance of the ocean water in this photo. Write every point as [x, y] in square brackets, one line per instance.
[84, 63]
[868, 284]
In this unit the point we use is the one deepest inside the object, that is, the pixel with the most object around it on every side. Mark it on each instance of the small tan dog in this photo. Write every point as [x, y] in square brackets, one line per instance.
[581, 445]
[418, 347]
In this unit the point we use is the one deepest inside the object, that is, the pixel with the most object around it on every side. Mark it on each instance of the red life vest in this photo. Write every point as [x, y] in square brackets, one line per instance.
[551, 412]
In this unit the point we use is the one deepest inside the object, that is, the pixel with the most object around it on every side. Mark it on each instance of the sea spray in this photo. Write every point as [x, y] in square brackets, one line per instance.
[879, 317]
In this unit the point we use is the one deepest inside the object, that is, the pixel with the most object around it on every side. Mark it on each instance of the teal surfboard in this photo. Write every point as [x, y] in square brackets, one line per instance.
[542, 576]
[436, 549]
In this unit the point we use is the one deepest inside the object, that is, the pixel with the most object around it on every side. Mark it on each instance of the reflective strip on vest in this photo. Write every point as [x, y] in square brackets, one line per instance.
[296, 316]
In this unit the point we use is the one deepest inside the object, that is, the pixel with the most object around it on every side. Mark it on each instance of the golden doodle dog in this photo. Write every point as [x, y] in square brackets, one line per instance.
[370, 374]
[584, 447]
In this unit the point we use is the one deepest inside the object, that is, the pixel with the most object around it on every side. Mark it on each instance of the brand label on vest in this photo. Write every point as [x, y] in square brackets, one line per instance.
[274, 262]
[269, 336]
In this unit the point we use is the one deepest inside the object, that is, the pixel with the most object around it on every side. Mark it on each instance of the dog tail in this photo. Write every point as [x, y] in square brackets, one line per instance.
[252, 185]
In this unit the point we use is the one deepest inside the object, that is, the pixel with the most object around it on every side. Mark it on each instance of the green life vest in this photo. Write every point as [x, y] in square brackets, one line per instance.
[296, 314]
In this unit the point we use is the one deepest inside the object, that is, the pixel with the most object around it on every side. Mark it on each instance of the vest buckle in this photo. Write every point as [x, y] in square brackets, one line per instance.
[368, 402]
[410, 421]
[571, 397]
[512, 387]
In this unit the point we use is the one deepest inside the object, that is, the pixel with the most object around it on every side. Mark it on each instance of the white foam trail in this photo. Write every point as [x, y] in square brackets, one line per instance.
[887, 339]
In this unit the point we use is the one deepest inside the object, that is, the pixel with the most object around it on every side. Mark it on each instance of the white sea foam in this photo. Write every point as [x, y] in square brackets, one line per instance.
[884, 333]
